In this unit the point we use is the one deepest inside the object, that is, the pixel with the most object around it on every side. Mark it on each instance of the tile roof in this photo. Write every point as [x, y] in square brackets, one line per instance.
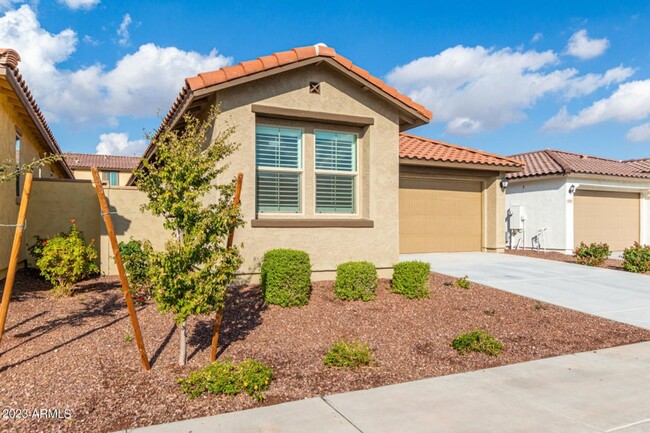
[420, 148]
[102, 162]
[10, 58]
[549, 162]
[643, 165]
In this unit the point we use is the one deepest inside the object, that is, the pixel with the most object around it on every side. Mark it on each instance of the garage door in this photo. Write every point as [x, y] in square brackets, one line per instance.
[439, 215]
[603, 216]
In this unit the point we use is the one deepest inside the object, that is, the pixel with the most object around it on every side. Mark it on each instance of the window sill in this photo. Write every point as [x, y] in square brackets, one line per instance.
[312, 223]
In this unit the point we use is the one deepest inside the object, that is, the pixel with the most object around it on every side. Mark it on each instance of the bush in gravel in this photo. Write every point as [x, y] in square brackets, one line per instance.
[411, 279]
[637, 258]
[478, 340]
[286, 277]
[348, 354]
[136, 257]
[226, 377]
[463, 283]
[591, 255]
[356, 281]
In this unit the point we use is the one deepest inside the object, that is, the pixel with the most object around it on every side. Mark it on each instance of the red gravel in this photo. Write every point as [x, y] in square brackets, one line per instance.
[72, 354]
[614, 264]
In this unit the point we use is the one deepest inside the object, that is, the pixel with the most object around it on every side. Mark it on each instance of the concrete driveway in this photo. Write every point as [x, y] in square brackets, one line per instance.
[616, 295]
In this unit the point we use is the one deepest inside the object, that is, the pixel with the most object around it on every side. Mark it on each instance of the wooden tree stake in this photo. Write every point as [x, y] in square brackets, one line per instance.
[120, 267]
[231, 237]
[15, 250]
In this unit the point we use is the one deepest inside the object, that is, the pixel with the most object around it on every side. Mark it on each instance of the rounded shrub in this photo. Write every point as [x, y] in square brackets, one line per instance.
[593, 254]
[136, 256]
[356, 281]
[411, 279]
[478, 340]
[637, 258]
[286, 277]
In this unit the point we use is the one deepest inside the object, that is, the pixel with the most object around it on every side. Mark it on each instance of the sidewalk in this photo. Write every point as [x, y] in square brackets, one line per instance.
[603, 391]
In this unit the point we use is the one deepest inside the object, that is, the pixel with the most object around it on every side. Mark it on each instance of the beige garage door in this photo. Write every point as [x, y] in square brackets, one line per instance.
[439, 215]
[603, 216]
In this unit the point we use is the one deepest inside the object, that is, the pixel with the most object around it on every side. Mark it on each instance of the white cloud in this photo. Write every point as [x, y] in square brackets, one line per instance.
[118, 143]
[474, 88]
[137, 85]
[80, 4]
[584, 48]
[537, 37]
[631, 101]
[639, 133]
[123, 30]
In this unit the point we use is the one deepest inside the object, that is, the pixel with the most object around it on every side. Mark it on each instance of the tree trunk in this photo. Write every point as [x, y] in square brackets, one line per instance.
[182, 354]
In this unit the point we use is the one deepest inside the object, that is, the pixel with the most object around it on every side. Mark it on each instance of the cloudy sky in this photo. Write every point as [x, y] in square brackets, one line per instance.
[506, 77]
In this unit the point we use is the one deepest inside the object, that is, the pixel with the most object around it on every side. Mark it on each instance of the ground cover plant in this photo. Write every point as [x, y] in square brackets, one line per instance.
[356, 281]
[411, 279]
[350, 354]
[286, 277]
[463, 283]
[593, 254]
[478, 340]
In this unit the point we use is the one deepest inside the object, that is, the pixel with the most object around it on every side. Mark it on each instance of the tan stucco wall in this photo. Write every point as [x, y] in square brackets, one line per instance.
[378, 168]
[85, 174]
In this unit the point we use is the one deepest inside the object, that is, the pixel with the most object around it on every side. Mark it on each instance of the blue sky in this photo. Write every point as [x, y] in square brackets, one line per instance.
[505, 77]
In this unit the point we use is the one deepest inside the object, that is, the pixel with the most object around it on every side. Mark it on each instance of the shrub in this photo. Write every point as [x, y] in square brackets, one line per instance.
[592, 255]
[226, 377]
[478, 340]
[286, 277]
[66, 259]
[463, 283]
[637, 258]
[348, 354]
[356, 281]
[36, 249]
[136, 258]
[411, 279]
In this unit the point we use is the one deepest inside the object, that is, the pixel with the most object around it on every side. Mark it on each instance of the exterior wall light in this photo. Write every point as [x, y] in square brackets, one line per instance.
[572, 189]
[504, 183]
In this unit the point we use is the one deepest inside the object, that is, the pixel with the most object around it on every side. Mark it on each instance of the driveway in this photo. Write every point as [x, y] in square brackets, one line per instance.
[616, 295]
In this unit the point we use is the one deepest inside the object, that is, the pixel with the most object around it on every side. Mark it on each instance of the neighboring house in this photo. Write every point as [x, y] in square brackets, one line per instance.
[115, 170]
[563, 198]
[327, 171]
[24, 136]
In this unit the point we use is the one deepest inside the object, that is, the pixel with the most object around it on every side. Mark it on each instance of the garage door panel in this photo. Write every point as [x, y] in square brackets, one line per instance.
[605, 216]
[440, 215]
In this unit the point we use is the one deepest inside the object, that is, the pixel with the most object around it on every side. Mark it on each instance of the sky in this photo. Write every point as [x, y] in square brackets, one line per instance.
[502, 76]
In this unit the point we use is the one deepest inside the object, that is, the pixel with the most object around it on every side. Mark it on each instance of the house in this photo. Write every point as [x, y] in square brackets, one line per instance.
[563, 198]
[24, 136]
[329, 169]
[115, 170]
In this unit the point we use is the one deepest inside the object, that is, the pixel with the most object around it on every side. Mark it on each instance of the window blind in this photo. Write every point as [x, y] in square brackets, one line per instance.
[336, 151]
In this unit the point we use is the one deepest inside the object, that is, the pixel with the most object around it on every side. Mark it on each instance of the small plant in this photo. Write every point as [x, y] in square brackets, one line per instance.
[136, 256]
[489, 313]
[463, 283]
[478, 340]
[226, 377]
[411, 279]
[356, 281]
[286, 277]
[128, 337]
[637, 258]
[591, 255]
[539, 306]
[66, 259]
[348, 354]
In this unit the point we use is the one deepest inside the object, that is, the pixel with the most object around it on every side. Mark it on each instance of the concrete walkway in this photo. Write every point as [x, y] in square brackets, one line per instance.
[603, 391]
[616, 295]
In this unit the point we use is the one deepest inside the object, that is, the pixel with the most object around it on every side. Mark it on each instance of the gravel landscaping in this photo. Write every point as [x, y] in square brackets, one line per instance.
[75, 353]
[614, 264]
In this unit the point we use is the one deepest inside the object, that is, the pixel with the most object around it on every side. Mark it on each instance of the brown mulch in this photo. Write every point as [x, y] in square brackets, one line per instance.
[72, 353]
[615, 264]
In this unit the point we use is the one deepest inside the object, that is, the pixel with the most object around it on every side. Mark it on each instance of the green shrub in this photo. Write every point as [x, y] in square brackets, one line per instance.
[226, 377]
[463, 283]
[348, 354]
[66, 259]
[637, 258]
[136, 258]
[356, 281]
[591, 255]
[411, 279]
[477, 340]
[36, 249]
[286, 277]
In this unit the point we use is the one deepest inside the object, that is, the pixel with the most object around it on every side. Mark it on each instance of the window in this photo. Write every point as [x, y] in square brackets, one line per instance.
[111, 177]
[336, 172]
[18, 180]
[278, 156]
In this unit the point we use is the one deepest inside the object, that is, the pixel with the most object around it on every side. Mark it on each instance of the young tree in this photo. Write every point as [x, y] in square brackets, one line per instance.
[193, 273]
[9, 170]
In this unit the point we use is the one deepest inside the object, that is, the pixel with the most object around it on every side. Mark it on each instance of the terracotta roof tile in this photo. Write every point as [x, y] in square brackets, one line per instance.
[102, 162]
[643, 165]
[549, 162]
[420, 148]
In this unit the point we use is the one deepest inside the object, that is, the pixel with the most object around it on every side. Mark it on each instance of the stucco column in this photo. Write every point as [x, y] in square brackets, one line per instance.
[494, 221]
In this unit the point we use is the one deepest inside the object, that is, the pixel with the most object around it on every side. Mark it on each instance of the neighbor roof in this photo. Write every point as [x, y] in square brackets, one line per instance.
[102, 162]
[643, 164]
[419, 148]
[9, 59]
[550, 162]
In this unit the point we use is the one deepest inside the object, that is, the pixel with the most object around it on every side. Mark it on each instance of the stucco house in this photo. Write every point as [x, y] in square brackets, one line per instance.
[24, 136]
[329, 170]
[115, 170]
[564, 198]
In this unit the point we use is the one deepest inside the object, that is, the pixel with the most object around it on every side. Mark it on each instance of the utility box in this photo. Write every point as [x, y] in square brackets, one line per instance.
[517, 217]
